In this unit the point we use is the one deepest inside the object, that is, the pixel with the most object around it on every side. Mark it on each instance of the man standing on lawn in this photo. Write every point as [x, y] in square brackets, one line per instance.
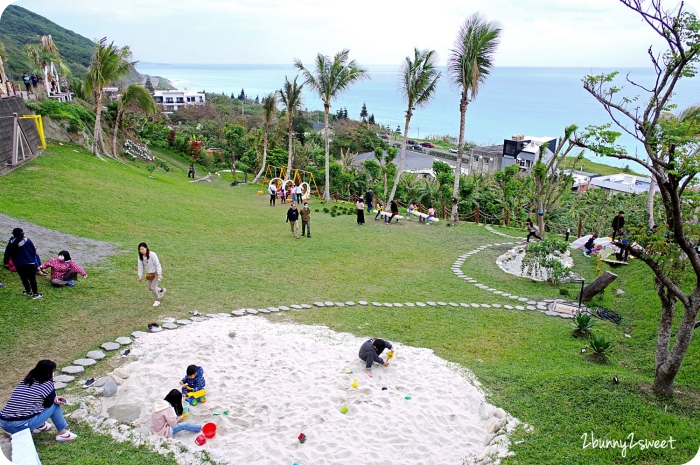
[293, 219]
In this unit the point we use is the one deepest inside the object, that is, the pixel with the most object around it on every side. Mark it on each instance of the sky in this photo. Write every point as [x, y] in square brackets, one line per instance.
[560, 33]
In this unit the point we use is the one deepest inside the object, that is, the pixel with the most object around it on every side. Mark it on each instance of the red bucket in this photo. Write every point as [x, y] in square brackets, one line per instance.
[200, 440]
[209, 430]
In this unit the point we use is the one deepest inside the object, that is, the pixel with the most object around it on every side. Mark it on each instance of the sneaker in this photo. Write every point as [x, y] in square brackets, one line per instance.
[45, 427]
[1, 285]
[37, 296]
[70, 283]
[28, 294]
[162, 291]
[156, 303]
[67, 436]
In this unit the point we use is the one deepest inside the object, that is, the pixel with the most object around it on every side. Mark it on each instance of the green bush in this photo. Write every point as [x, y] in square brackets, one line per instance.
[77, 116]
[564, 291]
[333, 214]
[582, 324]
[601, 348]
[317, 210]
[163, 165]
[325, 210]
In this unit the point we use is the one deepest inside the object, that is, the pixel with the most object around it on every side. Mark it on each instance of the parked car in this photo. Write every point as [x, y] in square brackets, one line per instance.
[454, 151]
[417, 147]
[428, 144]
[384, 136]
[411, 142]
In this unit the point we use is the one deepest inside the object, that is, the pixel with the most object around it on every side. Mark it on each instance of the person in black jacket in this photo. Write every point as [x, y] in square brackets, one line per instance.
[368, 200]
[293, 219]
[23, 254]
[370, 353]
[618, 224]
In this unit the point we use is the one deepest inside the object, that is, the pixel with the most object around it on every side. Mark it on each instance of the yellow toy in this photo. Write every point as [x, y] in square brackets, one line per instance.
[354, 383]
[197, 397]
[185, 411]
[390, 355]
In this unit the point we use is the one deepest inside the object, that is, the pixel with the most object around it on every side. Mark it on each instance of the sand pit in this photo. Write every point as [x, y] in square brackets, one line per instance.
[277, 380]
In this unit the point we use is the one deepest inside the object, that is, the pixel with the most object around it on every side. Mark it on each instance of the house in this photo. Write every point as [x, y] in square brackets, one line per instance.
[622, 183]
[582, 179]
[519, 149]
[173, 100]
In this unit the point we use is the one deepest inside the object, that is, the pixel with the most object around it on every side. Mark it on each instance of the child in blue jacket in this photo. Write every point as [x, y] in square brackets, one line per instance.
[194, 381]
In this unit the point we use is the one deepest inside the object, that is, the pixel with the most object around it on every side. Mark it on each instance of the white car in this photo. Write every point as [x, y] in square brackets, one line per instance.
[454, 151]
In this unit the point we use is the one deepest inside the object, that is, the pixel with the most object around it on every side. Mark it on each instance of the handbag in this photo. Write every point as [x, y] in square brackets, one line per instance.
[150, 276]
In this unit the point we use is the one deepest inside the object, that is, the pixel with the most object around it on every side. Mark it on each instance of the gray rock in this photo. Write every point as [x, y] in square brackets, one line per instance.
[197, 319]
[619, 292]
[296, 307]
[111, 422]
[95, 355]
[263, 311]
[168, 319]
[488, 439]
[232, 334]
[464, 305]
[531, 302]
[350, 303]
[124, 413]
[485, 411]
[339, 304]
[170, 326]
[273, 309]
[499, 413]
[110, 346]
[432, 304]
[376, 304]
[396, 304]
[522, 299]
[100, 382]
[79, 414]
[495, 424]
[508, 307]
[64, 378]
[519, 307]
[514, 297]
[238, 312]
[123, 373]
[109, 389]
[306, 306]
[123, 340]
[73, 370]
[496, 305]
[328, 303]
[318, 304]
[252, 311]
[498, 292]
[224, 315]
[386, 304]
[213, 315]
[485, 306]
[284, 308]
[139, 334]
[442, 304]
[363, 303]
[476, 305]
[531, 307]
[420, 304]
[86, 362]
[119, 381]
[184, 322]
[143, 431]
[59, 385]
[157, 329]
[410, 304]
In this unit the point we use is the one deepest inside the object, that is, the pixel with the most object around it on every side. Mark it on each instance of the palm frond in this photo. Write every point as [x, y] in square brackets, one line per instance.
[139, 95]
[290, 95]
[269, 107]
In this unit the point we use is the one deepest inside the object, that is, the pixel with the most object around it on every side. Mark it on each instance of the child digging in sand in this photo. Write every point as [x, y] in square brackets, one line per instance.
[194, 381]
[370, 351]
[166, 419]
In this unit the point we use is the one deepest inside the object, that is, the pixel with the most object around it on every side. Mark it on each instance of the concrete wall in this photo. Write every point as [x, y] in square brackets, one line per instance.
[8, 106]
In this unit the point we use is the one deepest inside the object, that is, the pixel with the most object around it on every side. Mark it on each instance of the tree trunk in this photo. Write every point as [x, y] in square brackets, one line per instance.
[289, 155]
[402, 157]
[97, 136]
[597, 286]
[264, 161]
[327, 193]
[650, 201]
[116, 130]
[458, 167]
[47, 85]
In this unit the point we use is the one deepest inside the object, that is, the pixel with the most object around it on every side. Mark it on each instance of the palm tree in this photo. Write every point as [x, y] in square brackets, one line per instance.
[328, 80]
[134, 94]
[418, 84]
[469, 65]
[290, 94]
[109, 63]
[269, 112]
[46, 59]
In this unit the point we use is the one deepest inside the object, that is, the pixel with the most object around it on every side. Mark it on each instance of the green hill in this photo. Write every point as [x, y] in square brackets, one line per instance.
[19, 27]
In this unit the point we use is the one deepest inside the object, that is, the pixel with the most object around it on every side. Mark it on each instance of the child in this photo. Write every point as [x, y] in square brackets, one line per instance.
[166, 419]
[194, 381]
[431, 215]
[63, 270]
[370, 351]
[589, 245]
[380, 207]
[283, 193]
[411, 209]
[532, 230]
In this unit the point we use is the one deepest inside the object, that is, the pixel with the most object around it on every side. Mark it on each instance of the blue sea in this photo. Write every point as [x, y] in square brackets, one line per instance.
[531, 101]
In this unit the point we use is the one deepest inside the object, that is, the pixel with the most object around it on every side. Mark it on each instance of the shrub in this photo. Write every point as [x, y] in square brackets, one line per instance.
[601, 348]
[317, 210]
[325, 210]
[333, 214]
[564, 291]
[163, 165]
[582, 324]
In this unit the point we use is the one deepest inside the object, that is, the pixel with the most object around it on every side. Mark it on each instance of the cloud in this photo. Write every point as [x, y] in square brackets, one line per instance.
[535, 33]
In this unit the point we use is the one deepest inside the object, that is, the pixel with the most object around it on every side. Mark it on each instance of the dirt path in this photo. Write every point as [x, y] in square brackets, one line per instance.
[49, 242]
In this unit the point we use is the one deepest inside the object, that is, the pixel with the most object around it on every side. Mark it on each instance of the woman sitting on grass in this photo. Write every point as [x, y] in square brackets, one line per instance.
[33, 402]
[166, 419]
[63, 270]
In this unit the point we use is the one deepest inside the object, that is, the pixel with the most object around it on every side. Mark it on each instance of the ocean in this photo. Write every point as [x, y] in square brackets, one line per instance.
[533, 101]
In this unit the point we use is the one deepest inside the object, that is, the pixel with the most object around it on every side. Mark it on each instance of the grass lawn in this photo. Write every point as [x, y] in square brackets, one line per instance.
[224, 248]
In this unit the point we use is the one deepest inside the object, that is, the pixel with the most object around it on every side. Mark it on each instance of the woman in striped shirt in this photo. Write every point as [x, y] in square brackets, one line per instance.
[33, 402]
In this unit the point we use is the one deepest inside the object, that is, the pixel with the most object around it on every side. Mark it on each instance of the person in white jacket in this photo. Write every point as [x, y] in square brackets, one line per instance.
[148, 262]
[166, 419]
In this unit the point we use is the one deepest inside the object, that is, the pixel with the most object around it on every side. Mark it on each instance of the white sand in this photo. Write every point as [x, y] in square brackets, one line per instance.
[280, 379]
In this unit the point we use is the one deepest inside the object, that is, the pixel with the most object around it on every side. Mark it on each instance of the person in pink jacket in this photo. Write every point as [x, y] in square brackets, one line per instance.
[166, 419]
[64, 271]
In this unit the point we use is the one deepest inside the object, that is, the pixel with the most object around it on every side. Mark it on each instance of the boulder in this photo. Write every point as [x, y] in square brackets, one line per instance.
[79, 414]
[109, 389]
[100, 382]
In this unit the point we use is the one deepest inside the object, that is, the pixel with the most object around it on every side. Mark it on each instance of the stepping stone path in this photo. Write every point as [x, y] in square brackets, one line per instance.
[376, 304]
[64, 378]
[283, 308]
[305, 306]
[318, 304]
[252, 311]
[298, 307]
[95, 355]
[124, 340]
[238, 312]
[139, 334]
[264, 311]
[328, 303]
[170, 326]
[196, 319]
[73, 370]
[363, 303]
[388, 304]
[420, 304]
[339, 304]
[85, 362]
[111, 346]
[59, 385]
[350, 303]
[432, 304]
[184, 322]
[410, 304]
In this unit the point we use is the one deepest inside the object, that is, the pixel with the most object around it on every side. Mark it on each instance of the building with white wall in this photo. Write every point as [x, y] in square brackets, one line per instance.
[173, 100]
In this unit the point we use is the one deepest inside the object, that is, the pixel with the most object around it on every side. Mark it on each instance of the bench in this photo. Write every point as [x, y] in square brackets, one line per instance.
[424, 216]
[386, 215]
[23, 450]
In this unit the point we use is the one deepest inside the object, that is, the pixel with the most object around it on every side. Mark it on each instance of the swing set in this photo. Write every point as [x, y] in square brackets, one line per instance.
[275, 176]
